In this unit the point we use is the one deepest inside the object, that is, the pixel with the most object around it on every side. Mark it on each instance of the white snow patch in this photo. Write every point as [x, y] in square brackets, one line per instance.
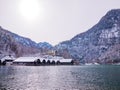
[110, 33]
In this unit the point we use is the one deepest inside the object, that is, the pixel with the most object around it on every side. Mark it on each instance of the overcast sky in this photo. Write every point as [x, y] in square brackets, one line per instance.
[56, 21]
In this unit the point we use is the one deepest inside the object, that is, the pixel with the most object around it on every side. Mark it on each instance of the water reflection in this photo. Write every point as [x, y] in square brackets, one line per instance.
[60, 78]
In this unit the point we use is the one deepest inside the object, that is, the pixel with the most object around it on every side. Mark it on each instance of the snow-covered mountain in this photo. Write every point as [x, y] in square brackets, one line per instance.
[100, 44]
[44, 45]
[13, 44]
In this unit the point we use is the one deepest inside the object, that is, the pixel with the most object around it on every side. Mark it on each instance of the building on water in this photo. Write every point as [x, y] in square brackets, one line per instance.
[46, 60]
[7, 60]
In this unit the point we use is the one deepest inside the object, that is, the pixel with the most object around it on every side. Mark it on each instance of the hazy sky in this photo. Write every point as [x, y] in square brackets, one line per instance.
[52, 20]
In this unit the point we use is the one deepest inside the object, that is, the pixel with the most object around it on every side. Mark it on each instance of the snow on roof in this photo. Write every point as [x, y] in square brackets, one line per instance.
[57, 57]
[26, 59]
[32, 59]
[8, 58]
[65, 60]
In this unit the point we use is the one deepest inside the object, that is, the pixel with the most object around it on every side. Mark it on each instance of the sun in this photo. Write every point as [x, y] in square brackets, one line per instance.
[30, 9]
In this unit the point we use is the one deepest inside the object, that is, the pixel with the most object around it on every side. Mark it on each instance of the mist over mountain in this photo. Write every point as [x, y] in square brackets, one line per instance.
[100, 44]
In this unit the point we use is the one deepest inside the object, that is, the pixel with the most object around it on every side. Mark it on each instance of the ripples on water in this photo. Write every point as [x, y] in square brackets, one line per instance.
[60, 77]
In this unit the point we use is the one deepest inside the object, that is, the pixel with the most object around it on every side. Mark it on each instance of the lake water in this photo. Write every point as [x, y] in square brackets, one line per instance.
[95, 77]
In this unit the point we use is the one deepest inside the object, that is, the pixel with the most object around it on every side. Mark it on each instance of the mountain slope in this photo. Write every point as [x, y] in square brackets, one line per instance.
[44, 45]
[13, 44]
[97, 42]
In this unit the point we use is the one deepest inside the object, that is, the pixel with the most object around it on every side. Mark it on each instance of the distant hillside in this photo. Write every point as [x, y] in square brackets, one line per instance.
[100, 44]
[13, 44]
[44, 46]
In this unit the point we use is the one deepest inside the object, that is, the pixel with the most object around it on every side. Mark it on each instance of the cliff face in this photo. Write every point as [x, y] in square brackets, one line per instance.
[101, 43]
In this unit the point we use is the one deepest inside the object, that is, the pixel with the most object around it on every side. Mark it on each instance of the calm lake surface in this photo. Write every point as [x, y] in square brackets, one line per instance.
[95, 77]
